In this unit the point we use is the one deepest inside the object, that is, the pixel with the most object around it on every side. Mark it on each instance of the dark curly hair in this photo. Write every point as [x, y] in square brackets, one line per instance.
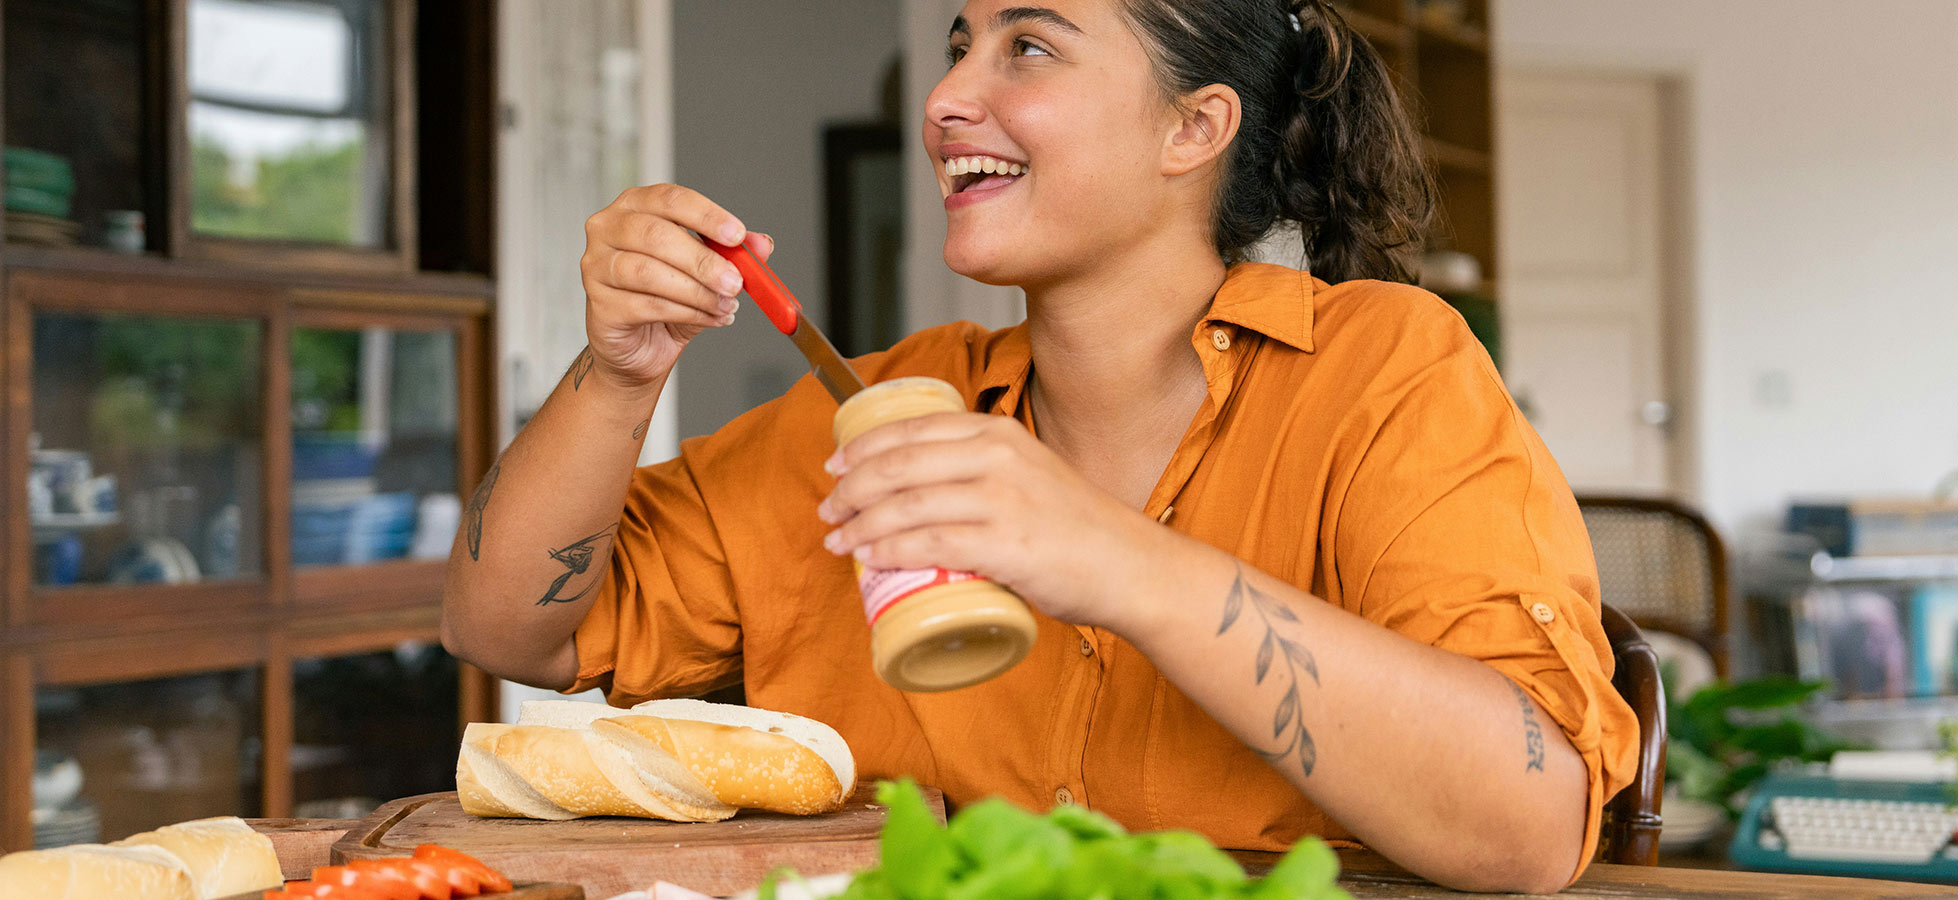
[1325, 140]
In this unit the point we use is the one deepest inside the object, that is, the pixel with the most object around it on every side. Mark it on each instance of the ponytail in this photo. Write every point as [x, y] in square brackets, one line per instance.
[1324, 140]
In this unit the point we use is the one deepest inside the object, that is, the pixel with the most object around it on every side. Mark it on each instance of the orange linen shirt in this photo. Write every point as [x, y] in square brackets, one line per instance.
[1356, 442]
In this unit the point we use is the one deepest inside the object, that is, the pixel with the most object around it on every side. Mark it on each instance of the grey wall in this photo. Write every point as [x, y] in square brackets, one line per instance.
[755, 82]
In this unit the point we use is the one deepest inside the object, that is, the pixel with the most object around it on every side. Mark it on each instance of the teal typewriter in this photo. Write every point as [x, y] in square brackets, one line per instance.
[1818, 825]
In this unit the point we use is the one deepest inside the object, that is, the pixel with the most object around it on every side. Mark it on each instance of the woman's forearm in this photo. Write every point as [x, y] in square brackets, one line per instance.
[537, 537]
[1434, 759]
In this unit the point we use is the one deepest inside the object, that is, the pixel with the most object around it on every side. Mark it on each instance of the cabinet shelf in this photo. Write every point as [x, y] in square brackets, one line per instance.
[1838, 569]
[1374, 28]
[1461, 36]
[1455, 156]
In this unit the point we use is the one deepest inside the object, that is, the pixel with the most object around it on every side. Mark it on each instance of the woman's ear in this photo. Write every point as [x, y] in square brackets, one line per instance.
[1207, 121]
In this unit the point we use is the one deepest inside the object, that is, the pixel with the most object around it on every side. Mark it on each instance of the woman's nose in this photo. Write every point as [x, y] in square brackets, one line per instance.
[954, 101]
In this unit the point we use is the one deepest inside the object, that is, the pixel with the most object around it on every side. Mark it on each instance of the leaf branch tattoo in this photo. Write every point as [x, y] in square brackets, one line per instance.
[577, 558]
[477, 503]
[639, 433]
[581, 367]
[1290, 714]
[1532, 732]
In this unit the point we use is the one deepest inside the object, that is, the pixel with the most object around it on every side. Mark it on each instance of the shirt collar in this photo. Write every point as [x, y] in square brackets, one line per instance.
[1272, 300]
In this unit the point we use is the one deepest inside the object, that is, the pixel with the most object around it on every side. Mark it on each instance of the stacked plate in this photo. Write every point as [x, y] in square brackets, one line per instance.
[40, 198]
[39, 230]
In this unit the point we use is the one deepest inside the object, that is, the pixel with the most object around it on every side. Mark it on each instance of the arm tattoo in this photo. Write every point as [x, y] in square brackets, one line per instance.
[477, 503]
[581, 367]
[639, 434]
[577, 558]
[1532, 732]
[1290, 715]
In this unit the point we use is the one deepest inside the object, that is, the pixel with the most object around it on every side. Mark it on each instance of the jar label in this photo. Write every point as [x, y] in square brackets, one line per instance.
[883, 588]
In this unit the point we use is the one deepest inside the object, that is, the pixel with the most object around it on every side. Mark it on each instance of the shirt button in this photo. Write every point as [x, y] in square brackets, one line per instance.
[1063, 796]
[1543, 613]
[1220, 339]
[1087, 649]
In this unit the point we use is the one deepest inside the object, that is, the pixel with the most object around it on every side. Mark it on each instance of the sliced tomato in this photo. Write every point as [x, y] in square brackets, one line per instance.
[439, 874]
[465, 882]
[278, 894]
[313, 890]
[388, 886]
[427, 881]
[492, 880]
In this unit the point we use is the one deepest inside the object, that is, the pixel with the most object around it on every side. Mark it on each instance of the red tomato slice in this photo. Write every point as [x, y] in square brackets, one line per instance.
[388, 886]
[439, 874]
[492, 880]
[465, 882]
[318, 891]
[427, 881]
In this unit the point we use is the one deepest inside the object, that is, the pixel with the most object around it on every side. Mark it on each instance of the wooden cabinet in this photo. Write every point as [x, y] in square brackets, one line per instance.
[1439, 52]
[246, 301]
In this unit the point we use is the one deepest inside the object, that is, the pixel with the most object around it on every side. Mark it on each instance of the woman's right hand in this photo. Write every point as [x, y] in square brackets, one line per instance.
[650, 286]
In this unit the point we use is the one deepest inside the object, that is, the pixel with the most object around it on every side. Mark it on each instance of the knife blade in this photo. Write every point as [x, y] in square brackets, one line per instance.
[785, 313]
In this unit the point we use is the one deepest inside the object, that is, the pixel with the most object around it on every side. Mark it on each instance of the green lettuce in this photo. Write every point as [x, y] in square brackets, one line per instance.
[997, 851]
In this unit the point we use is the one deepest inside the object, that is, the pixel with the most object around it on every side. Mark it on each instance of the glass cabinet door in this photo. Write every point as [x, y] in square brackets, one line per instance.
[145, 451]
[373, 445]
[114, 759]
[289, 120]
[372, 728]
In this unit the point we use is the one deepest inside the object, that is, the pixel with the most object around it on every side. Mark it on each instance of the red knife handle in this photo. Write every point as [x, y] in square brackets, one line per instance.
[761, 284]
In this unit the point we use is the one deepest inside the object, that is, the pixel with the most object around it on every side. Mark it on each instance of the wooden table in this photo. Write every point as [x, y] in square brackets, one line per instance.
[304, 843]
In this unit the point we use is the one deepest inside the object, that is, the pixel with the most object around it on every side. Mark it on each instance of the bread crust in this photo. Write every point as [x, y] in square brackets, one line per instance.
[699, 763]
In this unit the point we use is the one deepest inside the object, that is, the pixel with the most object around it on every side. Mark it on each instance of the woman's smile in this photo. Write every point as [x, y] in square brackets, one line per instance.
[976, 177]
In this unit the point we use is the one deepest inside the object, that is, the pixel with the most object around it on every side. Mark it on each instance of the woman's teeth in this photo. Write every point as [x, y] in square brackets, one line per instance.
[968, 165]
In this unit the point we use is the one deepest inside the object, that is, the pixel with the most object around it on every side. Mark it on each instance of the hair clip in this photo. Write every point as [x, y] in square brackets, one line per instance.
[1294, 16]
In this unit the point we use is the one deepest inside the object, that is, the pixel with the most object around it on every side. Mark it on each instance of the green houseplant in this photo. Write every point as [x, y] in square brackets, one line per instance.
[1726, 737]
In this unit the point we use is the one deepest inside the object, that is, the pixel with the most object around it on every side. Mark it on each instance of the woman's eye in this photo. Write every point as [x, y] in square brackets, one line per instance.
[953, 55]
[1024, 47]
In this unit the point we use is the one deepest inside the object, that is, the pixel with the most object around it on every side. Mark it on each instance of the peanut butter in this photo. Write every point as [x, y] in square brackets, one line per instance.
[931, 629]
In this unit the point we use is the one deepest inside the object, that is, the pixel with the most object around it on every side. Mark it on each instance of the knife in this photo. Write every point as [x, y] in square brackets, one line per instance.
[785, 313]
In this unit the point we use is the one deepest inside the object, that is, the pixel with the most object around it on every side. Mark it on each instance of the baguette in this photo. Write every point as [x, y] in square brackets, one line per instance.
[224, 855]
[94, 871]
[683, 760]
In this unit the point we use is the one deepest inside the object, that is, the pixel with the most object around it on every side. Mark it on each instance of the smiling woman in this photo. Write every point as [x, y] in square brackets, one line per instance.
[1297, 563]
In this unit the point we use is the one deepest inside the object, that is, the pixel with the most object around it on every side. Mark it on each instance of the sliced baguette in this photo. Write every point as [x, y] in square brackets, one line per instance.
[224, 855]
[683, 760]
[556, 763]
[741, 766]
[486, 785]
[565, 713]
[819, 737]
[655, 780]
[95, 871]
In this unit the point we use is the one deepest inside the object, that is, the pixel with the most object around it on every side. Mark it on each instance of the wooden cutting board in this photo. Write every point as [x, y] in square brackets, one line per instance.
[522, 892]
[609, 856]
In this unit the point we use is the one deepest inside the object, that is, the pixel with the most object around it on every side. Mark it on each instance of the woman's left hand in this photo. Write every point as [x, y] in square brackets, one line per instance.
[978, 493]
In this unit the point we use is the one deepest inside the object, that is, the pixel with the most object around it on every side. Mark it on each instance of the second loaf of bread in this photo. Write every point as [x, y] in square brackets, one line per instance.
[683, 760]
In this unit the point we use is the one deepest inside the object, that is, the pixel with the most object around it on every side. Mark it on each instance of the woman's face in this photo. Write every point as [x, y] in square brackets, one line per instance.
[1064, 92]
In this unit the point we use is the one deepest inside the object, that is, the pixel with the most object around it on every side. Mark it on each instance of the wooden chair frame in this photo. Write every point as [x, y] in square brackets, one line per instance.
[1632, 820]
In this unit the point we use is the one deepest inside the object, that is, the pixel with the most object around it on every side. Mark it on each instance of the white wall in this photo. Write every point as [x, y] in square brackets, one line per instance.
[933, 293]
[1824, 186]
[755, 81]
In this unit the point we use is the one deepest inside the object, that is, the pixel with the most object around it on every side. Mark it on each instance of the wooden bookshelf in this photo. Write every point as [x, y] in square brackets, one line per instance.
[1440, 54]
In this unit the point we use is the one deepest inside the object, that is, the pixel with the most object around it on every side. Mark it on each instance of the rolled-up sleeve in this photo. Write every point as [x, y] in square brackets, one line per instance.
[1468, 539]
[665, 622]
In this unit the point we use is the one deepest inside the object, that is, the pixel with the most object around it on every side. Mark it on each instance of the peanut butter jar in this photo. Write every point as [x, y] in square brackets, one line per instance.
[931, 629]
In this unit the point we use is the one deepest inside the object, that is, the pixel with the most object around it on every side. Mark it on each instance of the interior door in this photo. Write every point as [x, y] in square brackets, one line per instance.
[1580, 198]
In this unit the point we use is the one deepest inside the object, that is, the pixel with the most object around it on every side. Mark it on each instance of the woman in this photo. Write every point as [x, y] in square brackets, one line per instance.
[1300, 565]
